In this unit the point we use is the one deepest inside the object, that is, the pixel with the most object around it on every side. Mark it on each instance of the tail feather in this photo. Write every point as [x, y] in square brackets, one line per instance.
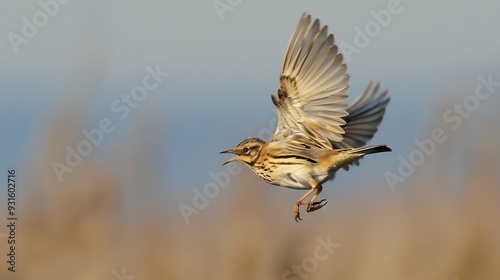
[358, 153]
[370, 149]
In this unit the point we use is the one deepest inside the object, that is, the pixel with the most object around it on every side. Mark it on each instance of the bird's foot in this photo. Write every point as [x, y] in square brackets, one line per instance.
[311, 207]
[296, 211]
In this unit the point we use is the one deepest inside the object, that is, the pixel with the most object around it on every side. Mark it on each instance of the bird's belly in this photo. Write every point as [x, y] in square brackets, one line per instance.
[291, 176]
[289, 181]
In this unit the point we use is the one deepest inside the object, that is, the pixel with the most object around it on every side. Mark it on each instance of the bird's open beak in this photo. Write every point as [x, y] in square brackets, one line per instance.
[232, 151]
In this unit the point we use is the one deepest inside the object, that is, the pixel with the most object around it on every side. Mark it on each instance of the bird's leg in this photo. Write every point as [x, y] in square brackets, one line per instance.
[299, 202]
[313, 206]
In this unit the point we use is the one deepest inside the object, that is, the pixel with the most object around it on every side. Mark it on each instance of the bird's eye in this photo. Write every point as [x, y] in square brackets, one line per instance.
[246, 150]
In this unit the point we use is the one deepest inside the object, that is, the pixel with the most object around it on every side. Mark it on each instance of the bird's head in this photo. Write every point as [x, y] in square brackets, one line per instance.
[246, 151]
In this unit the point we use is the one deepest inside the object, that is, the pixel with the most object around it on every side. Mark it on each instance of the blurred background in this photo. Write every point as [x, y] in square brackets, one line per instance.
[162, 87]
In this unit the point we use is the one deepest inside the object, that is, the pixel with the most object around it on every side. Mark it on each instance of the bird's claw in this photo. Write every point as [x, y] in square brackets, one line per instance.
[316, 205]
[297, 213]
[311, 207]
[297, 218]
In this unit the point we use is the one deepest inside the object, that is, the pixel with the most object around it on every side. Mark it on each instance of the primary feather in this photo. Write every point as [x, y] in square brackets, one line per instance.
[312, 87]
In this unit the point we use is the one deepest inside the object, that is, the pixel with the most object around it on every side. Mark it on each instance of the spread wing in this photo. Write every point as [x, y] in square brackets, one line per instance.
[365, 115]
[312, 87]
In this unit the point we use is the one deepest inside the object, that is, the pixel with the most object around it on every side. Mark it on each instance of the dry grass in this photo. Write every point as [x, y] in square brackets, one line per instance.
[96, 222]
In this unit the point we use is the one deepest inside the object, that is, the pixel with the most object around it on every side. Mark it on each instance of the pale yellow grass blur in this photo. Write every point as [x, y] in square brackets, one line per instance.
[106, 217]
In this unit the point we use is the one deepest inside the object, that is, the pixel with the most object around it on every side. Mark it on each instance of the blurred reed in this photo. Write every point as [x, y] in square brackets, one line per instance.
[107, 215]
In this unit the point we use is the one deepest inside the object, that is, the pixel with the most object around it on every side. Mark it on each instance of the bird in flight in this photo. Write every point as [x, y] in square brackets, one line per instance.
[317, 132]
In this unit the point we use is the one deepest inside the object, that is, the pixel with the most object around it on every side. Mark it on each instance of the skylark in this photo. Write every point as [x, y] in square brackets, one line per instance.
[317, 133]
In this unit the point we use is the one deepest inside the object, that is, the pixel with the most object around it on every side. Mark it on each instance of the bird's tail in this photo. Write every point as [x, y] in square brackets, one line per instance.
[351, 156]
[370, 150]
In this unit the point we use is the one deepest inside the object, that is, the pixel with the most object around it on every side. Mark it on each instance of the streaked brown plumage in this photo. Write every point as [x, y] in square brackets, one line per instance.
[316, 133]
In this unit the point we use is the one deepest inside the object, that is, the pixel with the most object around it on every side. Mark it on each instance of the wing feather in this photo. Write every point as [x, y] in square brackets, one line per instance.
[365, 115]
[313, 85]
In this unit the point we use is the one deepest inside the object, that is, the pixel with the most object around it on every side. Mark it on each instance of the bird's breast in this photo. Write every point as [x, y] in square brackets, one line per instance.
[292, 176]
